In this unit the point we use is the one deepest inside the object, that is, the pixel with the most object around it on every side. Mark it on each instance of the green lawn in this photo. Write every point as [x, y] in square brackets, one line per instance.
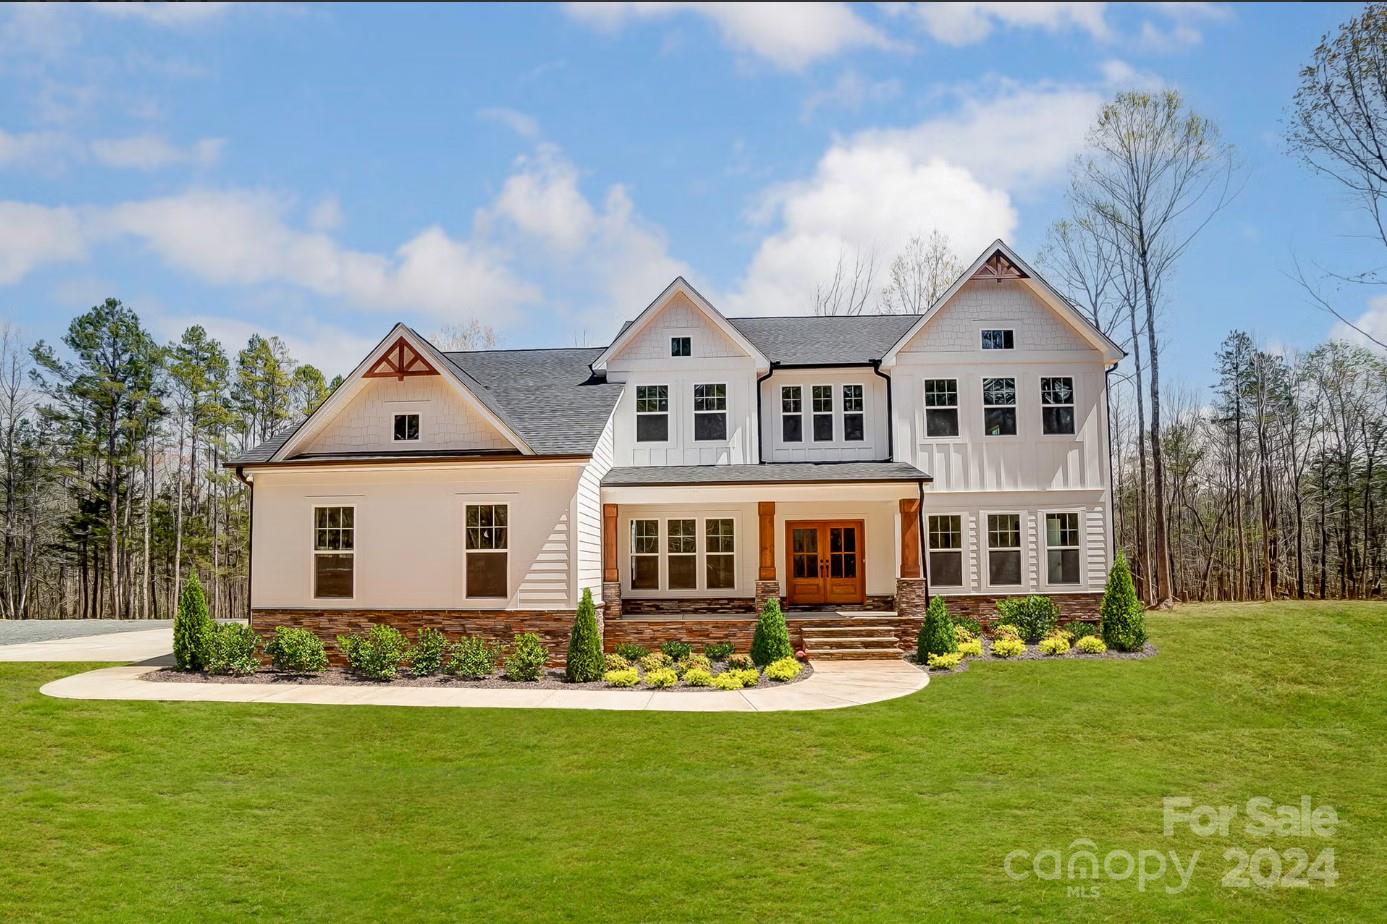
[903, 810]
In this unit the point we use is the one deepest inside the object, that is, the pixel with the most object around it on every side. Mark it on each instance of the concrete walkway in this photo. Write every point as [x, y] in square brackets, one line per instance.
[125, 645]
[834, 685]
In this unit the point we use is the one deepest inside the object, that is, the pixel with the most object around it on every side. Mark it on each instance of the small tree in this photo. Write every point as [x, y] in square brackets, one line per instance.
[585, 661]
[1124, 621]
[936, 632]
[772, 639]
[192, 627]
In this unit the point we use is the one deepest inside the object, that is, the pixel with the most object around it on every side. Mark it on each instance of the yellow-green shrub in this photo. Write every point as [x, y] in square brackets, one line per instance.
[971, 648]
[750, 676]
[1008, 647]
[1055, 644]
[656, 660]
[784, 669]
[728, 680]
[962, 634]
[1090, 644]
[661, 678]
[1005, 630]
[697, 677]
[622, 678]
[945, 662]
[694, 662]
[615, 662]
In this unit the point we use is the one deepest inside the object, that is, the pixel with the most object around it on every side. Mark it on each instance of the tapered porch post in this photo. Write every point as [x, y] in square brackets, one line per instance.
[912, 593]
[767, 586]
[611, 578]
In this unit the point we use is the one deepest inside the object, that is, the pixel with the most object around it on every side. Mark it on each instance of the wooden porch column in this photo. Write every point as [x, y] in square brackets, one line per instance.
[609, 572]
[910, 538]
[766, 511]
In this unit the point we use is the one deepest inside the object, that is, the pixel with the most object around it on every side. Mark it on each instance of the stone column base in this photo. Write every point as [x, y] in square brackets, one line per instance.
[765, 590]
[611, 599]
[910, 598]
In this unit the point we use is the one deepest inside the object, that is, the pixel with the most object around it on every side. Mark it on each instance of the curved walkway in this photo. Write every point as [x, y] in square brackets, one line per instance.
[833, 685]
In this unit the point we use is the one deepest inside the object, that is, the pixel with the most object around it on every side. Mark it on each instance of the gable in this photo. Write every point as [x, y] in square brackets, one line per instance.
[954, 327]
[678, 317]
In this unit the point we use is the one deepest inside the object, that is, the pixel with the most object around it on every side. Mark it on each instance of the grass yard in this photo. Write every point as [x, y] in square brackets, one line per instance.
[902, 810]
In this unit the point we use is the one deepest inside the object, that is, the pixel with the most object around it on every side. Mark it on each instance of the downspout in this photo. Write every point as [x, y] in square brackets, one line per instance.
[890, 416]
[924, 545]
[1112, 497]
[250, 539]
[760, 423]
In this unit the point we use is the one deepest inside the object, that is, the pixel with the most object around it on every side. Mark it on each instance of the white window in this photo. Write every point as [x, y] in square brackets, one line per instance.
[645, 554]
[791, 414]
[681, 566]
[822, 396]
[998, 339]
[999, 407]
[488, 544]
[1003, 549]
[710, 412]
[334, 552]
[680, 346]
[1057, 404]
[652, 413]
[941, 407]
[406, 427]
[946, 550]
[719, 553]
[1062, 548]
[854, 429]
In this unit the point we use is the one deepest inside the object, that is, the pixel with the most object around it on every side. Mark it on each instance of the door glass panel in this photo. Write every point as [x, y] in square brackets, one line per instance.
[842, 559]
[805, 552]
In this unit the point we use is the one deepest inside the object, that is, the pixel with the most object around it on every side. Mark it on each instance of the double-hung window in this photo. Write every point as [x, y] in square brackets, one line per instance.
[680, 346]
[710, 412]
[946, 550]
[1062, 548]
[1057, 404]
[1003, 549]
[652, 413]
[681, 566]
[645, 554]
[854, 430]
[941, 407]
[334, 552]
[406, 427]
[791, 413]
[822, 397]
[999, 407]
[719, 553]
[998, 340]
[488, 545]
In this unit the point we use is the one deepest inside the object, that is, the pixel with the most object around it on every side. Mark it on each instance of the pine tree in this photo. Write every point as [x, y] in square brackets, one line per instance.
[1124, 621]
[772, 639]
[192, 627]
[936, 632]
[585, 644]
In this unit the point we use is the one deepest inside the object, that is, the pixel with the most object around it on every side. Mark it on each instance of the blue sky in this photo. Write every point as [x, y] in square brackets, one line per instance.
[321, 172]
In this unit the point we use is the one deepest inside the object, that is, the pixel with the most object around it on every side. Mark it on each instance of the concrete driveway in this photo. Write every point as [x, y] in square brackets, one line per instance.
[85, 640]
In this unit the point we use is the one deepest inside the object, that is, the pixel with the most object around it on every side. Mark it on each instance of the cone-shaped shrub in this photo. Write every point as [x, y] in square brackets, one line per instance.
[192, 627]
[937, 636]
[1124, 621]
[772, 639]
[585, 661]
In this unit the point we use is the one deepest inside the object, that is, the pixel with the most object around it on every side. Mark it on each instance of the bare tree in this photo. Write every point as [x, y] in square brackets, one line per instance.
[851, 286]
[457, 338]
[921, 272]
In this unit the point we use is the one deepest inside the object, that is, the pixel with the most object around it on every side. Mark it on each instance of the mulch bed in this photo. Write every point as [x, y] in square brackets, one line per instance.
[1033, 653]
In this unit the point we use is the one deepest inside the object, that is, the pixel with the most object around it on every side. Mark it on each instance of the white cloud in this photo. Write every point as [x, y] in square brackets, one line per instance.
[152, 152]
[850, 92]
[166, 14]
[326, 215]
[1119, 75]
[966, 23]
[523, 125]
[1373, 320]
[31, 149]
[33, 235]
[789, 35]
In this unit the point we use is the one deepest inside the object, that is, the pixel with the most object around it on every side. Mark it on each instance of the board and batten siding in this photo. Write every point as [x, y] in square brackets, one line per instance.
[587, 506]
[876, 420]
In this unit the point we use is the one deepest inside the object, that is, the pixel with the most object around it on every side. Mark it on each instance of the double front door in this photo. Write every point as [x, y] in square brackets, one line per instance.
[825, 561]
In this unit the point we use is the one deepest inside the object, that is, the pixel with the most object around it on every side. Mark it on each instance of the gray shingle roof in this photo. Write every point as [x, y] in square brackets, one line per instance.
[768, 473]
[829, 340]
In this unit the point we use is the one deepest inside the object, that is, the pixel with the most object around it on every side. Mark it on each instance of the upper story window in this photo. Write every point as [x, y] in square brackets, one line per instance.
[854, 430]
[946, 550]
[406, 427]
[1057, 404]
[710, 412]
[941, 407]
[1062, 548]
[680, 346]
[822, 396]
[1003, 548]
[487, 550]
[334, 551]
[652, 413]
[645, 554]
[791, 413]
[999, 407]
[998, 339]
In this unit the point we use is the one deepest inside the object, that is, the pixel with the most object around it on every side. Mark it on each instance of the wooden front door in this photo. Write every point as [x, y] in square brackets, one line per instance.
[824, 562]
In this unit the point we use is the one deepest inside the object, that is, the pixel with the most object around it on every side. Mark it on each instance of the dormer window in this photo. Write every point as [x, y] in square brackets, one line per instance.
[680, 346]
[406, 428]
[998, 339]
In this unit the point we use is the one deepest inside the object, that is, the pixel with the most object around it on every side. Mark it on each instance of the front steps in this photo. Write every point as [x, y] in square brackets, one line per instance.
[851, 638]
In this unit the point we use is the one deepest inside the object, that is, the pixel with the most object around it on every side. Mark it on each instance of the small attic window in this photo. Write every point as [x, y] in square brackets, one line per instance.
[680, 346]
[406, 427]
[998, 339]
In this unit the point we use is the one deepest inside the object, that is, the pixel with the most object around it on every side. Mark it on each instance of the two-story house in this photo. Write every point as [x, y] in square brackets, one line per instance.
[698, 465]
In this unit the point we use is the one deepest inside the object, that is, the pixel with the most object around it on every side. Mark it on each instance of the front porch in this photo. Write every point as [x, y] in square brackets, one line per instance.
[839, 635]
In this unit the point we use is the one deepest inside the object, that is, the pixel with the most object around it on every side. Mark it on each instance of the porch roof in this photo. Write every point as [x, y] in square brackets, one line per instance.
[765, 473]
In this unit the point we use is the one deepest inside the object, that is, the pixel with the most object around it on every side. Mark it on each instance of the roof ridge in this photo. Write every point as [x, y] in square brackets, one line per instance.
[516, 350]
[813, 317]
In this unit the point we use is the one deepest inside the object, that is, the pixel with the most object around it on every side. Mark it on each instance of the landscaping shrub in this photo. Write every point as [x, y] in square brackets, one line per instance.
[472, 658]
[963, 633]
[1124, 621]
[623, 678]
[698, 678]
[772, 639]
[231, 650]
[1078, 630]
[784, 669]
[526, 658]
[1008, 647]
[694, 662]
[728, 680]
[585, 661]
[1005, 631]
[936, 632]
[615, 662]
[297, 651]
[426, 657]
[677, 651]
[375, 654]
[750, 676]
[970, 649]
[1090, 644]
[1034, 617]
[718, 651]
[1054, 644]
[631, 651]
[192, 627]
[945, 662]
[656, 660]
[664, 677]
[740, 661]
[969, 623]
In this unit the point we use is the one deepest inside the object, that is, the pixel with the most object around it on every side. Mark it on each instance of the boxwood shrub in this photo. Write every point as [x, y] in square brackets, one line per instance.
[527, 657]
[426, 657]
[771, 641]
[472, 658]
[677, 651]
[631, 651]
[297, 651]
[231, 649]
[375, 654]
[1034, 617]
[718, 651]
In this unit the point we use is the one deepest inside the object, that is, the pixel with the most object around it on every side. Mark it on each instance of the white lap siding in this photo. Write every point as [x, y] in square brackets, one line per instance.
[588, 516]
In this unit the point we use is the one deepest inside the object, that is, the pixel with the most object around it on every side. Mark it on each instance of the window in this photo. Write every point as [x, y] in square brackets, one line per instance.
[487, 542]
[645, 554]
[682, 544]
[406, 427]
[999, 407]
[823, 413]
[334, 551]
[710, 412]
[1057, 404]
[791, 414]
[946, 550]
[719, 557]
[998, 340]
[1062, 548]
[941, 407]
[680, 346]
[853, 429]
[652, 413]
[1003, 548]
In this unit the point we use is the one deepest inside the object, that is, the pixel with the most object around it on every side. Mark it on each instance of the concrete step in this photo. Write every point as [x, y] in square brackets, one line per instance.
[849, 641]
[854, 654]
[839, 630]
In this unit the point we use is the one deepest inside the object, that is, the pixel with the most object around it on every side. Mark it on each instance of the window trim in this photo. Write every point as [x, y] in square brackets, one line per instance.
[831, 414]
[675, 338]
[1015, 406]
[1073, 405]
[314, 552]
[983, 332]
[962, 549]
[1023, 528]
[418, 427]
[662, 590]
[665, 554]
[799, 390]
[476, 502]
[637, 414]
[725, 412]
[631, 555]
[843, 414]
[1045, 546]
[956, 407]
[703, 555]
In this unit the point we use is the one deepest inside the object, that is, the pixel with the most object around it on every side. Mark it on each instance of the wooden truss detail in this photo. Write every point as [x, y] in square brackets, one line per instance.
[999, 267]
[399, 361]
